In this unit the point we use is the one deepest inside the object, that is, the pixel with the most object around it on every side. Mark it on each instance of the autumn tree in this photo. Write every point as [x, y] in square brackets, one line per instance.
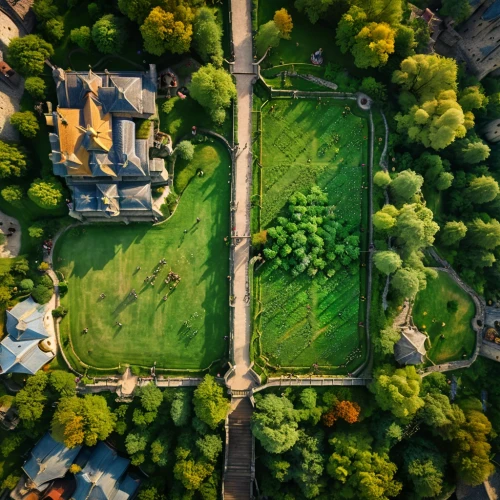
[283, 21]
[84, 420]
[214, 89]
[387, 261]
[397, 390]
[209, 402]
[161, 31]
[373, 45]
[274, 423]
[348, 411]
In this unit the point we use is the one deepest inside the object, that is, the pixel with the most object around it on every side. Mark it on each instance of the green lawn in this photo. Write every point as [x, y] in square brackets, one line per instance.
[304, 321]
[103, 259]
[432, 309]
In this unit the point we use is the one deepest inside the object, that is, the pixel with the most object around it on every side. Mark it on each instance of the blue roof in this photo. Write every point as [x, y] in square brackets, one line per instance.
[135, 196]
[85, 197]
[102, 477]
[22, 356]
[492, 12]
[49, 460]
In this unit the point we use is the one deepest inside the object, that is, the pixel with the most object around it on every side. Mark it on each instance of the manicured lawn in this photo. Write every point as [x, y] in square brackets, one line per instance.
[103, 259]
[432, 309]
[186, 113]
[304, 321]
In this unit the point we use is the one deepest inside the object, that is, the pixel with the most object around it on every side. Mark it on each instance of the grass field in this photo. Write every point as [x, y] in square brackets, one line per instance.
[103, 259]
[432, 309]
[305, 321]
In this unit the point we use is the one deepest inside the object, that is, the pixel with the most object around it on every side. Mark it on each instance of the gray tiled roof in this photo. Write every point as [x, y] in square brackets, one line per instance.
[49, 460]
[410, 349]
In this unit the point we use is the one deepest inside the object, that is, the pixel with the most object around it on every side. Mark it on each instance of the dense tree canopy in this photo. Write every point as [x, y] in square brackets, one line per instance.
[13, 160]
[26, 123]
[209, 402]
[207, 37]
[109, 34]
[27, 54]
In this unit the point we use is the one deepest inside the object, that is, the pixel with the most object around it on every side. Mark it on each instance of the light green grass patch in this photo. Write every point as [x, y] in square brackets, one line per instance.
[184, 332]
[431, 310]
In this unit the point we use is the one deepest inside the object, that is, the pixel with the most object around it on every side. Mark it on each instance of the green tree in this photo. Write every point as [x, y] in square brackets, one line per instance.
[161, 31]
[10, 482]
[274, 423]
[185, 150]
[210, 446]
[54, 29]
[94, 10]
[453, 232]
[374, 43]
[385, 219]
[180, 411]
[405, 43]
[13, 160]
[82, 37]
[192, 473]
[406, 185]
[207, 37]
[474, 151]
[384, 343]
[382, 179]
[406, 282]
[376, 90]
[159, 450]
[84, 420]
[267, 36]
[27, 54]
[388, 11]
[109, 34]
[314, 8]
[41, 294]
[415, 227]
[26, 123]
[46, 193]
[482, 189]
[387, 261]
[30, 401]
[472, 98]
[12, 193]
[459, 10]
[136, 10]
[484, 234]
[151, 397]
[444, 181]
[358, 471]
[62, 382]
[214, 89]
[27, 285]
[427, 75]
[349, 26]
[35, 86]
[397, 390]
[136, 442]
[209, 402]
[44, 10]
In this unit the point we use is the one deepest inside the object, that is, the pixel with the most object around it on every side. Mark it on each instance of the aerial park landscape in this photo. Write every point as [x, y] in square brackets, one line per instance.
[249, 249]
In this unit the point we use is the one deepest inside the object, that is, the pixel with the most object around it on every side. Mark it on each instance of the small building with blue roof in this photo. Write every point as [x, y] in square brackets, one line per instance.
[25, 349]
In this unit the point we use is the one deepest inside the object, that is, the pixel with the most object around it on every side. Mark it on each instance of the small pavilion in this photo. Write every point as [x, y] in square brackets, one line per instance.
[410, 348]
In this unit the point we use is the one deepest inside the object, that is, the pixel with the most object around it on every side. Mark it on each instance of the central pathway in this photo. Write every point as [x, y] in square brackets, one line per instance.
[243, 71]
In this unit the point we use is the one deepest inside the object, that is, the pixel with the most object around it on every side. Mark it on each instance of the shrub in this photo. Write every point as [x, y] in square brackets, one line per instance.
[44, 266]
[75, 469]
[46, 193]
[259, 239]
[168, 106]
[10, 482]
[35, 86]
[63, 288]
[26, 123]
[452, 306]
[135, 370]
[41, 294]
[12, 193]
[12, 160]
[59, 312]
[27, 285]
[185, 150]
[54, 29]
[35, 231]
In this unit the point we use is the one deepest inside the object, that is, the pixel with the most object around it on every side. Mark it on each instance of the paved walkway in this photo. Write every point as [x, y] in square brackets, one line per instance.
[243, 71]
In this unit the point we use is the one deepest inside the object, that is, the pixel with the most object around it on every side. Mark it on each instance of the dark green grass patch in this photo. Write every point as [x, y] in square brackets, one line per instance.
[187, 330]
[304, 321]
[434, 314]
